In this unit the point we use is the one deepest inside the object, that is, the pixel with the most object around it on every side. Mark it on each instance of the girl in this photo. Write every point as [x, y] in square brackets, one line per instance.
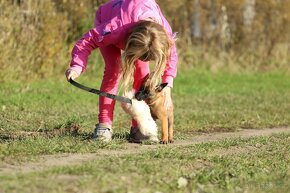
[139, 29]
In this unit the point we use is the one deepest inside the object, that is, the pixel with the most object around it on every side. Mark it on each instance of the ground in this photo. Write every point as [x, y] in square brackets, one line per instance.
[232, 135]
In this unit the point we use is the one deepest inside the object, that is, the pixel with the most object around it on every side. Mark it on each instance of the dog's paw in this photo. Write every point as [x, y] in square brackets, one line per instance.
[164, 142]
[171, 141]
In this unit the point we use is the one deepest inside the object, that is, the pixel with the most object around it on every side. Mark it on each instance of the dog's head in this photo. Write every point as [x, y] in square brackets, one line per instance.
[145, 93]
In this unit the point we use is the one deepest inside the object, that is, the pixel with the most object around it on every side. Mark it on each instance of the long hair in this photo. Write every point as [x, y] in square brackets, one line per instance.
[148, 42]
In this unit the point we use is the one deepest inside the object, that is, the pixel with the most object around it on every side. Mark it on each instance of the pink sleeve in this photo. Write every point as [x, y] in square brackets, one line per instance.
[82, 50]
[101, 35]
[171, 67]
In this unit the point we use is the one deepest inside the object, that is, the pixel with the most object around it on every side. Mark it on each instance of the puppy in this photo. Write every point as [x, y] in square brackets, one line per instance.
[140, 112]
[155, 99]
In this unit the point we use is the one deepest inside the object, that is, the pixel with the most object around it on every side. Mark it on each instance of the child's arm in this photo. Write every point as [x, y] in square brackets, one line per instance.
[171, 67]
[101, 35]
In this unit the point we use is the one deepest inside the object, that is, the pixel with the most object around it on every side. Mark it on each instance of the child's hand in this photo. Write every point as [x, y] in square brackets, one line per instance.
[168, 100]
[71, 74]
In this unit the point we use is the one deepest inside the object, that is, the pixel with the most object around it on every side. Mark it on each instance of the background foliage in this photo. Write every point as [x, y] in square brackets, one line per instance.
[36, 36]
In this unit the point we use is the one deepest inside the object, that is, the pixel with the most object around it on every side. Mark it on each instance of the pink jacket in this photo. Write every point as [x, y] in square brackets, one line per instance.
[123, 14]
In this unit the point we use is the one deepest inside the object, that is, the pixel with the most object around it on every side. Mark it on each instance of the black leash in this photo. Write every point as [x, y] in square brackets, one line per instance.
[101, 93]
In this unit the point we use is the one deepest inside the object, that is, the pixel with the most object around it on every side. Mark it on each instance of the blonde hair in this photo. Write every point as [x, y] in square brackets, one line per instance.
[148, 42]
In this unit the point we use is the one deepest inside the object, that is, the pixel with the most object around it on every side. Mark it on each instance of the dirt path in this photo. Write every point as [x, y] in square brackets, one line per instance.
[49, 161]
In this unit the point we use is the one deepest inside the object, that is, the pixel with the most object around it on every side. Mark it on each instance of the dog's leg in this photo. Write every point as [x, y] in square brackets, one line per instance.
[170, 127]
[164, 126]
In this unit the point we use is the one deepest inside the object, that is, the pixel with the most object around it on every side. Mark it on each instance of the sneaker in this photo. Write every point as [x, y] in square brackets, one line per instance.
[137, 137]
[103, 133]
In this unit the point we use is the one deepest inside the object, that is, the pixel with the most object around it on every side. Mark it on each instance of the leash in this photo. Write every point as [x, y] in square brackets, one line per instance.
[101, 93]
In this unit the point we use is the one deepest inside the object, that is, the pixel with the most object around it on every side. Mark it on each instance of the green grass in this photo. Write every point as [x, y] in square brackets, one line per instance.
[51, 117]
[227, 102]
[259, 164]
[65, 116]
[203, 101]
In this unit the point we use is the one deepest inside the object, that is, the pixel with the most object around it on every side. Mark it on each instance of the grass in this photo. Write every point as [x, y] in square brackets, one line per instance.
[259, 164]
[52, 110]
[51, 117]
[233, 101]
[229, 101]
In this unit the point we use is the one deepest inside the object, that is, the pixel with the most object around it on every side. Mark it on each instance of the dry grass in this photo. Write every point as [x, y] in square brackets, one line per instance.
[37, 36]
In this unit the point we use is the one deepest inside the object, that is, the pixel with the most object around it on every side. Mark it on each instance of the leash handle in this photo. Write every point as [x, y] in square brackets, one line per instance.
[101, 93]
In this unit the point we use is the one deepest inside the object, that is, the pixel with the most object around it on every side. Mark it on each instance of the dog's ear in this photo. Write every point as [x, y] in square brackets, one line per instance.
[161, 87]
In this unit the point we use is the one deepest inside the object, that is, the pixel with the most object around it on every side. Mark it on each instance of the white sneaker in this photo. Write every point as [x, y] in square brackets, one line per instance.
[103, 133]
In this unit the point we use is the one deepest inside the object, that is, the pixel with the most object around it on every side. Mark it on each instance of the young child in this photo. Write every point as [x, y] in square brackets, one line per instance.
[139, 29]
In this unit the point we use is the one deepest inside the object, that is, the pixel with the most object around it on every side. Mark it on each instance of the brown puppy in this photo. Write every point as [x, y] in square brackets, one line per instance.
[155, 99]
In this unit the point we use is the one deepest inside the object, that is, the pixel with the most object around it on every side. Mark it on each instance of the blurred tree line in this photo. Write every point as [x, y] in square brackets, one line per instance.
[36, 36]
